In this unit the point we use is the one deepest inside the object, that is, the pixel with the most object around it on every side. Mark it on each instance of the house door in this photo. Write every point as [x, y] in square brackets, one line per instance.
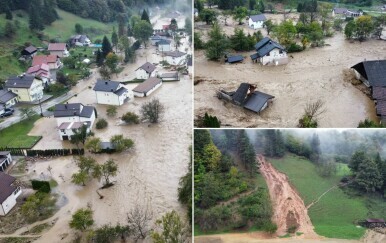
[65, 137]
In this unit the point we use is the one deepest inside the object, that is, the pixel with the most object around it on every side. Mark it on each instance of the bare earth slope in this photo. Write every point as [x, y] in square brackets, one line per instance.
[289, 209]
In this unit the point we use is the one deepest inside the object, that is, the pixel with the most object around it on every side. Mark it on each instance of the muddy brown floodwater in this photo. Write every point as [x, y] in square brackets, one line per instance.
[317, 73]
[148, 175]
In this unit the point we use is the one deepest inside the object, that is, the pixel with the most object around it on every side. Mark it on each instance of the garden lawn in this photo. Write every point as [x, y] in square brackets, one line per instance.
[16, 136]
[334, 216]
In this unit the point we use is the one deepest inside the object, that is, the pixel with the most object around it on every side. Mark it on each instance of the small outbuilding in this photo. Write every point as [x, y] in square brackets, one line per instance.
[5, 160]
[147, 87]
[234, 59]
[172, 76]
[29, 51]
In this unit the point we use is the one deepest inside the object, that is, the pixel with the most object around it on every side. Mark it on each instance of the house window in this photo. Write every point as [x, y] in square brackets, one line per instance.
[268, 54]
[280, 51]
[16, 191]
[63, 131]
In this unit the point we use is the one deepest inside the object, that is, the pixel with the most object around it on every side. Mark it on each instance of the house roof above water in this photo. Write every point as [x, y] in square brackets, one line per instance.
[373, 71]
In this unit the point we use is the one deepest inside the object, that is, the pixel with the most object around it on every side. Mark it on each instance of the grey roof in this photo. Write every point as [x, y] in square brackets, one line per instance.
[4, 153]
[340, 10]
[6, 187]
[106, 85]
[30, 49]
[373, 71]
[163, 42]
[6, 96]
[379, 93]
[256, 101]
[170, 75]
[75, 109]
[2, 107]
[258, 17]
[381, 107]
[148, 67]
[241, 93]
[147, 85]
[121, 91]
[266, 45]
[156, 37]
[233, 59]
[174, 53]
[22, 81]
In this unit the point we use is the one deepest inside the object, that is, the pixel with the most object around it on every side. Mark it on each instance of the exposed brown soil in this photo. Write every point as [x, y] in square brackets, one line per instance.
[288, 207]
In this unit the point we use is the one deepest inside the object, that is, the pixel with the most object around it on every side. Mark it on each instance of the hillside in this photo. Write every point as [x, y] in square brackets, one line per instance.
[335, 213]
[61, 29]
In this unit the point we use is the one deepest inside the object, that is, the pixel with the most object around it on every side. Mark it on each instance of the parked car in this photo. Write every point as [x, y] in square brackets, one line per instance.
[10, 110]
[7, 113]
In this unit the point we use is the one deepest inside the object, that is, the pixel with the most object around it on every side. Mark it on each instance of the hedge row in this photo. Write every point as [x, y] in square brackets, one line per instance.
[55, 152]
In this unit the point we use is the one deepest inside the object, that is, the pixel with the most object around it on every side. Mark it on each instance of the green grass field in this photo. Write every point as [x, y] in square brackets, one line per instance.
[334, 215]
[15, 136]
[64, 28]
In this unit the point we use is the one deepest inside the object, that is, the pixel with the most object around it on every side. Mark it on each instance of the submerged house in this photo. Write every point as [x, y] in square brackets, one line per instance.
[145, 71]
[269, 52]
[9, 192]
[373, 75]
[256, 21]
[234, 59]
[110, 92]
[175, 57]
[70, 117]
[147, 87]
[247, 97]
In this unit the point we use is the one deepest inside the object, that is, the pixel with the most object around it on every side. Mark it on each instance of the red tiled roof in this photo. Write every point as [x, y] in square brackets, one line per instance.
[39, 60]
[57, 46]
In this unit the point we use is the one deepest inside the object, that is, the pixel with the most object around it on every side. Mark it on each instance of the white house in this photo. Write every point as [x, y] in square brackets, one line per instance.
[28, 88]
[80, 40]
[269, 52]
[163, 45]
[342, 13]
[72, 113]
[7, 98]
[145, 71]
[111, 92]
[42, 72]
[5, 160]
[256, 21]
[147, 87]
[175, 57]
[66, 129]
[58, 49]
[9, 192]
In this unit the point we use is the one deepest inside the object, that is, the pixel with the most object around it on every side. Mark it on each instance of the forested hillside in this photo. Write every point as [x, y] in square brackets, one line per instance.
[229, 192]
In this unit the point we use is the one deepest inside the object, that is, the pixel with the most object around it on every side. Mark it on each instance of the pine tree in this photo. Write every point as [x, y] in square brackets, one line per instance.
[145, 16]
[99, 58]
[368, 177]
[315, 148]
[8, 13]
[106, 47]
[35, 19]
[114, 38]
[217, 44]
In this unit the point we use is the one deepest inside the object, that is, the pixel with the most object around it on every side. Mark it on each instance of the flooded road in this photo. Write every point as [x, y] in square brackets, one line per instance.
[316, 73]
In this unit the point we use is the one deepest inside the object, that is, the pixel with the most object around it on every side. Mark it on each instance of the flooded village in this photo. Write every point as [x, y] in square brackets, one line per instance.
[132, 181]
[320, 73]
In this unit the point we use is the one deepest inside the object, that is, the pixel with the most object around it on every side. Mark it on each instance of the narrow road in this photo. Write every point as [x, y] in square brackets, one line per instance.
[288, 207]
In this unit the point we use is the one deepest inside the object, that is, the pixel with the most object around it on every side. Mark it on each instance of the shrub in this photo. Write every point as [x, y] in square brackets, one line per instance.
[152, 111]
[111, 110]
[130, 118]
[101, 123]
[295, 48]
[41, 186]
[269, 227]
[211, 121]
